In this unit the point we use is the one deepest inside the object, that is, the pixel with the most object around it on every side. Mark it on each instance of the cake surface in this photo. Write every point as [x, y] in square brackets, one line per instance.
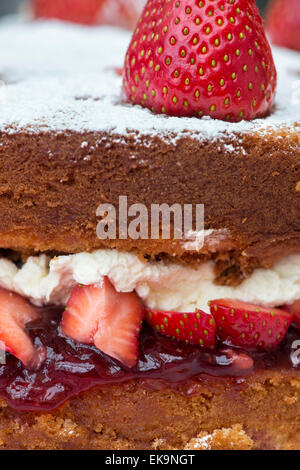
[87, 98]
[69, 142]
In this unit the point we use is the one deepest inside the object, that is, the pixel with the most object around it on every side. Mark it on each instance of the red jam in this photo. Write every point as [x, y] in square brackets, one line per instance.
[71, 368]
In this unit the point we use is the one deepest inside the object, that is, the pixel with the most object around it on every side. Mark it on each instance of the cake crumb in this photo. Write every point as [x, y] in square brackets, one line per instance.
[3, 403]
[295, 383]
[98, 428]
[298, 187]
[159, 444]
[52, 425]
[233, 438]
[290, 400]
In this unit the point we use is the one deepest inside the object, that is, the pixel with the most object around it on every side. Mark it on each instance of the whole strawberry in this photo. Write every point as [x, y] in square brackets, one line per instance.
[201, 57]
[123, 13]
[76, 11]
[283, 23]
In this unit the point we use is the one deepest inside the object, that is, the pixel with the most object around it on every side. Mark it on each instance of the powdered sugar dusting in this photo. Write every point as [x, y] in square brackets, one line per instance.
[61, 76]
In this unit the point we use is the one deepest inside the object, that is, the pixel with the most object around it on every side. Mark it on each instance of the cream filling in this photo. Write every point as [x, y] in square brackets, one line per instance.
[161, 286]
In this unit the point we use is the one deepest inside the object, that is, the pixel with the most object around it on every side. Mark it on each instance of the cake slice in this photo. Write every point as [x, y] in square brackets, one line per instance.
[69, 143]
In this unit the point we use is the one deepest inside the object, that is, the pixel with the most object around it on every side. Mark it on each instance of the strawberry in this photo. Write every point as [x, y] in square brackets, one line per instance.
[76, 11]
[111, 320]
[201, 57]
[283, 23]
[294, 309]
[118, 71]
[123, 13]
[241, 362]
[196, 328]
[15, 313]
[250, 326]
[91, 12]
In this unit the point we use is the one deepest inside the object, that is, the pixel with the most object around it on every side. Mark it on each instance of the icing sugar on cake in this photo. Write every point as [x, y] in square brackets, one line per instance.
[64, 79]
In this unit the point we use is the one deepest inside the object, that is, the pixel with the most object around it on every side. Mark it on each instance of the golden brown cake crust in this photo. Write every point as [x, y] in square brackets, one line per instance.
[211, 414]
[51, 185]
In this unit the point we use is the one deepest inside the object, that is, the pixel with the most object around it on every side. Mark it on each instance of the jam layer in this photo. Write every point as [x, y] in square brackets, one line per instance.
[71, 368]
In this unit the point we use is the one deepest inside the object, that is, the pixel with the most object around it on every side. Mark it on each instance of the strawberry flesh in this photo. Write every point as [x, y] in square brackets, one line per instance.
[249, 326]
[196, 328]
[201, 58]
[15, 313]
[98, 314]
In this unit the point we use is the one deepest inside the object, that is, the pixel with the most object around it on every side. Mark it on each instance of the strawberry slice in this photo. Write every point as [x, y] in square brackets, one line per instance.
[294, 309]
[111, 320]
[201, 58]
[246, 325]
[198, 328]
[15, 313]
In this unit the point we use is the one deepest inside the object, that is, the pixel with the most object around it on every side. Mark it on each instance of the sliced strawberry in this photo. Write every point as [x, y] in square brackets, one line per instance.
[15, 313]
[201, 58]
[196, 328]
[99, 315]
[283, 23]
[294, 309]
[248, 325]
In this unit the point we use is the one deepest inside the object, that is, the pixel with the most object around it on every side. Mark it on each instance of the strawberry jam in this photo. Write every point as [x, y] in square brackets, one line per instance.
[71, 367]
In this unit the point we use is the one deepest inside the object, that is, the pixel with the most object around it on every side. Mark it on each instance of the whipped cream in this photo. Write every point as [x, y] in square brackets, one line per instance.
[160, 285]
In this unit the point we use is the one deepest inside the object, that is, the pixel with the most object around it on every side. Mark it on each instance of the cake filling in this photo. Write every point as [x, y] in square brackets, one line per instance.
[160, 285]
[72, 367]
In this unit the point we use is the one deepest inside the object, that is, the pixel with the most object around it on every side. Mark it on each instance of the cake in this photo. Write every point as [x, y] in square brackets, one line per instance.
[69, 143]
